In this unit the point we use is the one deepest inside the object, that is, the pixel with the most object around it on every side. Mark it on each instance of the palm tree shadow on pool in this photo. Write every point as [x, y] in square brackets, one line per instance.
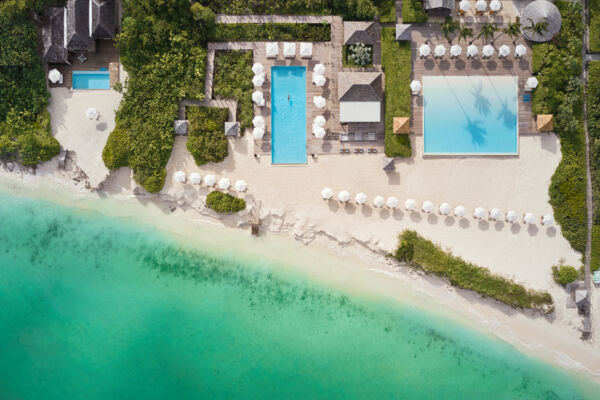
[476, 131]
[506, 115]
[482, 104]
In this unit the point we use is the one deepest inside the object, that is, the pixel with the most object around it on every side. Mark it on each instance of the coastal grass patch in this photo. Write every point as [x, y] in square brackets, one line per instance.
[232, 79]
[419, 252]
[25, 134]
[557, 65]
[594, 31]
[272, 31]
[224, 203]
[413, 12]
[564, 274]
[206, 139]
[396, 62]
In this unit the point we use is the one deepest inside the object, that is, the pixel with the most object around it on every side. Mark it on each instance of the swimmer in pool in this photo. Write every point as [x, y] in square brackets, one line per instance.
[288, 98]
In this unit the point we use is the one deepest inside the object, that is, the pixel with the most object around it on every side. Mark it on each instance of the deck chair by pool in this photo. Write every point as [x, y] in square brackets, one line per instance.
[372, 136]
[344, 137]
[358, 137]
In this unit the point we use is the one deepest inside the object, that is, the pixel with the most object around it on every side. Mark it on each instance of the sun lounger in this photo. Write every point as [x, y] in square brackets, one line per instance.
[358, 137]
[344, 137]
[372, 136]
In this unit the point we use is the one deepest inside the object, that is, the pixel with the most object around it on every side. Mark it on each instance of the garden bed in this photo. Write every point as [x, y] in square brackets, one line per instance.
[206, 138]
[232, 79]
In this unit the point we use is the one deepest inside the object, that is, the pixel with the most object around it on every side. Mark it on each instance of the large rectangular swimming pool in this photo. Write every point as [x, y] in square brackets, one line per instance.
[91, 80]
[470, 115]
[288, 115]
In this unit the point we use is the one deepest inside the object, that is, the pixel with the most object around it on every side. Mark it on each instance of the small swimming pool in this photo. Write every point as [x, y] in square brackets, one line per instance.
[288, 115]
[470, 115]
[91, 80]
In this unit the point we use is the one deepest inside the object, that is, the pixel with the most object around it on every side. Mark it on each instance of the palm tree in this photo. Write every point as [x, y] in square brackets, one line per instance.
[464, 33]
[449, 27]
[513, 30]
[537, 28]
[487, 31]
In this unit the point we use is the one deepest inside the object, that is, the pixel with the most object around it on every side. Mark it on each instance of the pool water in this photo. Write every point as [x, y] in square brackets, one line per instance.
[288, 115]
[470, 115]
[91, 80]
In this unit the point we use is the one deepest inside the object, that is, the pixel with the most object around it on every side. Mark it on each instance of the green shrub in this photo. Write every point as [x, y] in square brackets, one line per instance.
[233, 80]
[564, 274]
[360, 54]
[117, 150]
[396, 62]
[593, 111]
[594, 31]
[386, 10]
[419, 252]
[224, 202]
[412, 11]
[257, 32]
[206, 138]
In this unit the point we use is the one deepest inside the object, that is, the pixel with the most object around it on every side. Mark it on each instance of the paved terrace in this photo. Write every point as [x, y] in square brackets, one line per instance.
[463, 66]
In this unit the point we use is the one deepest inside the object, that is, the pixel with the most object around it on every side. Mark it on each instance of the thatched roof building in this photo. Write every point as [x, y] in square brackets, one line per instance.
[541, 10]
[360, 95]
[53, 36]
[545, 123]
[103, 19]
[359, 32]
[78, 26]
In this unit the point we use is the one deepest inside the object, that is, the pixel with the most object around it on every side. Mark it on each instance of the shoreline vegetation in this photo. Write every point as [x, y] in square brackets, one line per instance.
[233, 80]
[593, 111]
[558, 67]
[419, 252]
[25, 134]
[225, 203]
[271, 31]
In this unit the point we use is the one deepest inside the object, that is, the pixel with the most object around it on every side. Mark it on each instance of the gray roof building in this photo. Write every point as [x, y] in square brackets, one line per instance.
[403, 31]
[439, 4]
[232, 129]
[541, 10]
[103, 19]
[358, 32]
[387, 164]
[53, 36]
[360, 95]
[78, 26]
[180, 127]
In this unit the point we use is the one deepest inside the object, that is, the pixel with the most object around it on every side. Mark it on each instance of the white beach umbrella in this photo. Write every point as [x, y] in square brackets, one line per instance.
[258, 80]
[481, 5]
[529, 218]
[445, 209]
[258, 98]
[495, 214]
[240, 185]
[392, 202]
[495, 5]
[271, 49]
[424, 50]
[258, 133]
[440, 50]
[503, 51]
[306, 49]
[427, 206]
[415, 86]
[460, 211]
[378, 201]
[195, 178]
[548, 220]
[511, 216]
[344, 196]
[410, 204]
[319, 132]
[319, 120]
[319, 69]
[520, 50]
[209, 180]
[224, 183]
[465, 5]
[319, 101]
[360, 198]
[258, 121]
[472, 50]
[91, 113]
[479, 213]
[487, 50]
[179, 176]
[258, 68]
[326, 193]
[532, 82]
[455, 50]
[319, 80]
[54, 75]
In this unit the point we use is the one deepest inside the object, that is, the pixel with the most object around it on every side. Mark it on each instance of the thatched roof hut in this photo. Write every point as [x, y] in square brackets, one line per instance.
[545, 123]
[401, 125]
[541, 10]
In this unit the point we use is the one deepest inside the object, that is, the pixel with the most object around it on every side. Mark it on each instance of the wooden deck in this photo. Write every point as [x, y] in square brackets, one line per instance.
[106, 53]
[465, 67]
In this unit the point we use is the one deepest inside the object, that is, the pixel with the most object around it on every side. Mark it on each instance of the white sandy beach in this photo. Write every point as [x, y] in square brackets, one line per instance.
[292, 205]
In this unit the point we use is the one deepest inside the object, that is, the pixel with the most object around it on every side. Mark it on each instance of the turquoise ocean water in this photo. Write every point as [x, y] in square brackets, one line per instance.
[96, 308]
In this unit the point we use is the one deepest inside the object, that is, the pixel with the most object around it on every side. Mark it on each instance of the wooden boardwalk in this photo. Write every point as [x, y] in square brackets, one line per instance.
[462, 66]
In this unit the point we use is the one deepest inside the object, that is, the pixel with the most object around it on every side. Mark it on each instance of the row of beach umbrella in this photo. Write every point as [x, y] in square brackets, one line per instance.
[465, 6]
[318, 127]
[259, 74]
[318, 76]
[472, 51]
[495, 214]
[210, 181]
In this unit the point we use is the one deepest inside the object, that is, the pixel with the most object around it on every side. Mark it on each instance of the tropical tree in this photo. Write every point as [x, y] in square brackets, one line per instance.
[449, 27]
[537, 28]
[513, 30]
[487, 31]
[464, 33]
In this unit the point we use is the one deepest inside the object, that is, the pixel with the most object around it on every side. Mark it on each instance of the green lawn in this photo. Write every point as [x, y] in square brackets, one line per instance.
[206, 137]
[412, 11]
[395, 59]
[233, 80]
[419, 252]
[595, 25]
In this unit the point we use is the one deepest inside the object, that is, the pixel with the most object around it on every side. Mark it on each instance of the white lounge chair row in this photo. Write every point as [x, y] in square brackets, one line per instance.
[289, 49]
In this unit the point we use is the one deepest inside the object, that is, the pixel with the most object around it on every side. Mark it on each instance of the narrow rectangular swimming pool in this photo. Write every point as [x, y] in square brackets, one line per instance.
[91, 80]
[288, 115]
[470, 115]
